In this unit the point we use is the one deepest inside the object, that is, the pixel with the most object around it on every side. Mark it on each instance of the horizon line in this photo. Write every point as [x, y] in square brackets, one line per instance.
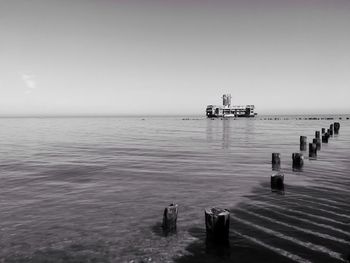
[4, 116]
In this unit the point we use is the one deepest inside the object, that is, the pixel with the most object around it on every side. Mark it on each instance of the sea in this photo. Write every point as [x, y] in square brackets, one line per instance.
[93, 189]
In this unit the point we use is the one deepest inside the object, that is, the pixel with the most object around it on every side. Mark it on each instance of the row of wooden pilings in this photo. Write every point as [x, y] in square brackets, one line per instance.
[309, 118]
[217, 220]
[277, 179]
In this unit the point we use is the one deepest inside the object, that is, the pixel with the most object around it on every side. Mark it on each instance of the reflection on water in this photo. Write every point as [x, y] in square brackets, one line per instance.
[226, 133]
[94, 190]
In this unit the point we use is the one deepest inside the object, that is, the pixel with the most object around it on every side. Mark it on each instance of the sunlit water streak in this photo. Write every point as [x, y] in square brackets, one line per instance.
[94, 189]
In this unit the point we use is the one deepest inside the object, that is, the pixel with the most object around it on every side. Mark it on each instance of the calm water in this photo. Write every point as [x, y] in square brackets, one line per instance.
[94, 190]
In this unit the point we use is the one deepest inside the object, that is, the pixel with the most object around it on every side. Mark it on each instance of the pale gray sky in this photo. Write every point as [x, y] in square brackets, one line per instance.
[173, 57]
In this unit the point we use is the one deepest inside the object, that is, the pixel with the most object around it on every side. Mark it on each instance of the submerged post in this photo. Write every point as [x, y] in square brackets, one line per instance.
[276, 161]
[312, 150]
[331, 130]
[325, 138]
[298, 160]
[303, 140]
[217, 223]
[277, 180]
[317, 134]
[170, 217]
[329, 133]
[317, 141]
[336, 127]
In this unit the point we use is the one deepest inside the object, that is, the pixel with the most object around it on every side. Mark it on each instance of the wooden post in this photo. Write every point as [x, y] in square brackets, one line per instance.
[276, 161]
[170, 217]
[323, 130]
[336, 127]
[331, 130]
[312, 150]
[277, 180]
[303, 141]
[217, 223]
[298, 160]
[329, 133]
[317, 134]
[317, 141]
[325, 138]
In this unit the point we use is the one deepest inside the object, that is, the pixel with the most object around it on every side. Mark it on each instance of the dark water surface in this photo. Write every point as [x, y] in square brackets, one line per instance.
[94, 190]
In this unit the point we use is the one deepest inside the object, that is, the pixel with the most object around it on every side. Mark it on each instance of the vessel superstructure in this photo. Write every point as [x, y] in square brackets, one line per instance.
[227, 110]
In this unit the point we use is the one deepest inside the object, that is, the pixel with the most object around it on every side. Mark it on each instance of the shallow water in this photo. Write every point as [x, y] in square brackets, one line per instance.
[94, 190]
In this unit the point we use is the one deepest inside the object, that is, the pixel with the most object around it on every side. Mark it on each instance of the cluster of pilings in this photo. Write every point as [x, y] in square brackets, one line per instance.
[305, 118]
[217, 220]
[280, 118]
[277, 179]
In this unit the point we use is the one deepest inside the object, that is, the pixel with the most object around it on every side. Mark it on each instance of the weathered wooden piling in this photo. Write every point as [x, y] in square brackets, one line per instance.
[277, 180]
[323, 130]
[317, 141]
[217, 223]
[325, 138]
[298, 160]
[336, 127]
[276, 161]
[170, 217]
[312, 150]
[331, 130]
[303, 141]
[329, 133]
[317, 134]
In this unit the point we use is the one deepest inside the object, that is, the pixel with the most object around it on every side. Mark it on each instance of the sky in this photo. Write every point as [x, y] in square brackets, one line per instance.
[158, 57]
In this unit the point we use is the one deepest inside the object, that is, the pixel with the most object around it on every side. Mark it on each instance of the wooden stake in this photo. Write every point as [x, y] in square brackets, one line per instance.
[277, 180]
[276, 161]
[303, 141]
[217, 223]
[312, 150]
[298, 160]
[170, 217]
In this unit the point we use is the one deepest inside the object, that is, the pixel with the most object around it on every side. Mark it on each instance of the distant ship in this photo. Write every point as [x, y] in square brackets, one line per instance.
[228, 111]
